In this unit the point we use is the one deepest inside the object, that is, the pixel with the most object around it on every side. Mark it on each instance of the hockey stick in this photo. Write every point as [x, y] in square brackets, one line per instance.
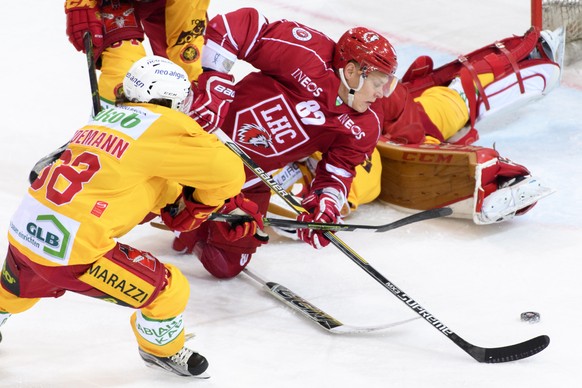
[308, 310]
[489, 355]
[294, 224]
[296, 302]
[95, 99]
[56, 154]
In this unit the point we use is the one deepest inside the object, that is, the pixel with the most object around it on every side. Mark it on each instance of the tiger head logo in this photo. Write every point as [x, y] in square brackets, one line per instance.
[254, 135]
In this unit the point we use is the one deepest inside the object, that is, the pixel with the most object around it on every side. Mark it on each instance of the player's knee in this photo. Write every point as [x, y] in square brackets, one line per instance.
[219, 263]
[172, 299]
[185, 242]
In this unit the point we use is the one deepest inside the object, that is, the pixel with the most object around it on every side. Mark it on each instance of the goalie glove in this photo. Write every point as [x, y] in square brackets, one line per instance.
[234, 231]
[213, 93]
[83, 16]
[323, 206]
[186, 214]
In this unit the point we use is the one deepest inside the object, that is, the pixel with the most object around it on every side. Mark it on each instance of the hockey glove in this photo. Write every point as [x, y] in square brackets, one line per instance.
[120, 22]
[83, 16]
[213, 93]
[236, 230]
[186, 214]
[323, 206]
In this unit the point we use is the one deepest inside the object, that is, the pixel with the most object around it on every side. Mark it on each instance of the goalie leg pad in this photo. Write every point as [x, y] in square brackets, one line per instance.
[488, 59]
[537, 79]
[427, 176]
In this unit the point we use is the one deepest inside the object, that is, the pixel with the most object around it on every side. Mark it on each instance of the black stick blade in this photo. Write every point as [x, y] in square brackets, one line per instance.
[509, 353]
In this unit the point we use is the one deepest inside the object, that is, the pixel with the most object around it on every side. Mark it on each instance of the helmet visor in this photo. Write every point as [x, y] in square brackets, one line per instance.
[384, 84]
[389, 86]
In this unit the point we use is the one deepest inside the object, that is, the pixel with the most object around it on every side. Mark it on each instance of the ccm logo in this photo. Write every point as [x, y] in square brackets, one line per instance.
[427, 158]
[224, 90]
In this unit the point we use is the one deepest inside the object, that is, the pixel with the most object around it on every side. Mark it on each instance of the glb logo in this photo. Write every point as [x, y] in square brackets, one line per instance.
[54, 244]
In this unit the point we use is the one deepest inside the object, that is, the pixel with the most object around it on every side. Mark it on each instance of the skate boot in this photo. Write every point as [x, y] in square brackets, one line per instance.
[514, 197]
[184, 363]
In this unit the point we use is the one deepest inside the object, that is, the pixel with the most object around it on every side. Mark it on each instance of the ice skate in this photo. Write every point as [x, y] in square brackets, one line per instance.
[184, 363]
[554, 43]
[515, 196]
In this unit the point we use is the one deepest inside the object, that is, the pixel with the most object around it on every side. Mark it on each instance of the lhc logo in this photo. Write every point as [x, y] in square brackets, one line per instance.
[269, 128]
[371, 37]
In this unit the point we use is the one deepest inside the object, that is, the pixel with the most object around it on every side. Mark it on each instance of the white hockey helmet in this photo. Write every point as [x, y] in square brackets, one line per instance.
[155, 77]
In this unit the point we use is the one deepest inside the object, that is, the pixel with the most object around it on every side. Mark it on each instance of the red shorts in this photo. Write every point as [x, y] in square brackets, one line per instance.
[124, 275]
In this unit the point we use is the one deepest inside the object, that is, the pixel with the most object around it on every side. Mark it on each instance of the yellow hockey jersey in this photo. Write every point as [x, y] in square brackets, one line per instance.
[126, 162]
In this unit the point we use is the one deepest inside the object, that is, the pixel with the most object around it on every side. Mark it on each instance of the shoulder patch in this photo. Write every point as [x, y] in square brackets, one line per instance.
[302, 34]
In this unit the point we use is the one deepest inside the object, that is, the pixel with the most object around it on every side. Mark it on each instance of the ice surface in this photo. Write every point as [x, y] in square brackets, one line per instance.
[476, 279]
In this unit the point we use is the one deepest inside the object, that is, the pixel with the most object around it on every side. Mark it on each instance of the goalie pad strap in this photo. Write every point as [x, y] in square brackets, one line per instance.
[513, 63]
[469, 76]
[485, 60]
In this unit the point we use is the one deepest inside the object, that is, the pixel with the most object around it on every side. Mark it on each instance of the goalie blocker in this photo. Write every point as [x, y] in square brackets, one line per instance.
[475, 182]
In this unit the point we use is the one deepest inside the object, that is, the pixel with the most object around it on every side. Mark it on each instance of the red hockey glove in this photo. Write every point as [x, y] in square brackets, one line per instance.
[213, 94]
[323, 206]
[83, 16]
[236, 230]
[120, 22]
[185, 214]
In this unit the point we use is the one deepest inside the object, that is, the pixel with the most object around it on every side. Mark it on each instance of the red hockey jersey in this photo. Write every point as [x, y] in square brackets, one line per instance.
[290, 108]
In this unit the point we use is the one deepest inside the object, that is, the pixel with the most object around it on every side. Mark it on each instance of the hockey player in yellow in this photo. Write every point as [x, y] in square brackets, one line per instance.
[128, 161]
[174, 30]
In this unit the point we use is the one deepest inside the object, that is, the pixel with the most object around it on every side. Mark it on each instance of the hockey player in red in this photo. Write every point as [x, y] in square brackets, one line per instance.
[309, 95]
[434, 112]
[431, 119]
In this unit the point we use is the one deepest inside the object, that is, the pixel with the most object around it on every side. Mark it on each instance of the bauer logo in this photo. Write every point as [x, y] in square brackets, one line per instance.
[43, 231]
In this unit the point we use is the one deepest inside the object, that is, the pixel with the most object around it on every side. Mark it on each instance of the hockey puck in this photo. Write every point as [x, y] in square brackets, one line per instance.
[530, 316]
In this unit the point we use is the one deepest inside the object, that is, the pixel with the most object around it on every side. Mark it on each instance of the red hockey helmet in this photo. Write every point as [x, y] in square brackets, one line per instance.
[371, 50]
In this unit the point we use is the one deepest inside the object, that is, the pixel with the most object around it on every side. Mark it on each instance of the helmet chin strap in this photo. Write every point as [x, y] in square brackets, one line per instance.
[351, 91]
